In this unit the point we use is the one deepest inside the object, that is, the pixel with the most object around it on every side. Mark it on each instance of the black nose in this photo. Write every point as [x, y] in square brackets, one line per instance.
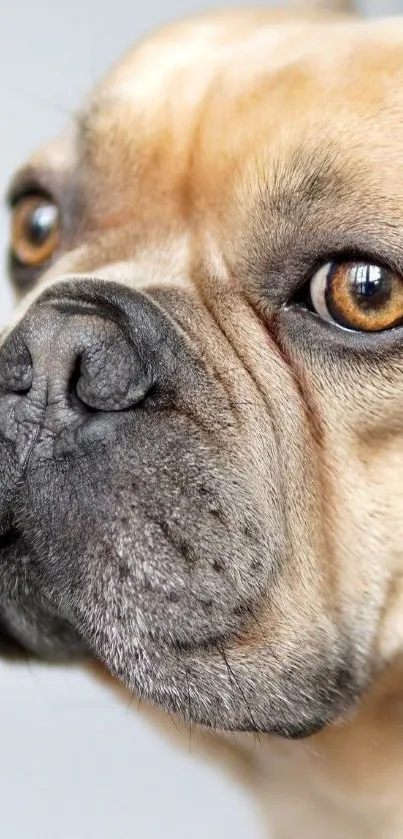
[75, 371]
[75, 354]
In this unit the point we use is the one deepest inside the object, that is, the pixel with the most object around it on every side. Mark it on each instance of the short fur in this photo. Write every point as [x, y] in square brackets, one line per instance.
[223, 529]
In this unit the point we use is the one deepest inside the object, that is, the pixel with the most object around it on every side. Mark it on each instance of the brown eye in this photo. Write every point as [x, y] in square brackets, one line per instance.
[358, 295]
[35, 230]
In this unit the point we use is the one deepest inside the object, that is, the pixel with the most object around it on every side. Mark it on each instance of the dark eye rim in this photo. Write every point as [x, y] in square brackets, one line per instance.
[29, 190]
[23, 277]
[312, 337]
[311, 265]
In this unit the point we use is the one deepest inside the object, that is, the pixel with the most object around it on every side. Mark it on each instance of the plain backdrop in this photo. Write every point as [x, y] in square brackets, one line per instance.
[75, 763]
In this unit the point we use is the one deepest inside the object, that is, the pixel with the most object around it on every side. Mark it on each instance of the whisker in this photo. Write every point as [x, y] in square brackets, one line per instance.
[234, 679]
[189, 710]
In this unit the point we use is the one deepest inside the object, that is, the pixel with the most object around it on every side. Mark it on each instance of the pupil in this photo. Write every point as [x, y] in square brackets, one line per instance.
[370, 285]
[40, 224]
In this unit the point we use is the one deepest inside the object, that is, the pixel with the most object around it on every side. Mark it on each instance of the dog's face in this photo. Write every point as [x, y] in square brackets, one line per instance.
[201, 411]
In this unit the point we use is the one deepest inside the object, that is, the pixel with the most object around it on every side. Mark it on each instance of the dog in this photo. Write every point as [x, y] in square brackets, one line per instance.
[201, 402]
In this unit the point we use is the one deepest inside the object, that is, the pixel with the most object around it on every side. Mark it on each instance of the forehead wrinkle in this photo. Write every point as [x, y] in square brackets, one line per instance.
[303, 178]
[328, 186]
[305, 208]
[285, 190]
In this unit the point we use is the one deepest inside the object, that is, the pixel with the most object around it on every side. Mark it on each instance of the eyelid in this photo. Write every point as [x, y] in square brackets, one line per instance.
[351, 254]
[33, 191]
[26, 183]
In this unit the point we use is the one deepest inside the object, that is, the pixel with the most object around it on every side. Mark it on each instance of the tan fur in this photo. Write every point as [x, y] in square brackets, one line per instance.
[324, 5]
[274, 83]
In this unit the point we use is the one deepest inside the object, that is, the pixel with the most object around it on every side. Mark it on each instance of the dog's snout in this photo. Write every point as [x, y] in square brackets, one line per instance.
[85, 359]
[75, 356]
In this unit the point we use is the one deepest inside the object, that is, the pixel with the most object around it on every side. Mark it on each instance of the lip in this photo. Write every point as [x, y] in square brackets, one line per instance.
[10, 647]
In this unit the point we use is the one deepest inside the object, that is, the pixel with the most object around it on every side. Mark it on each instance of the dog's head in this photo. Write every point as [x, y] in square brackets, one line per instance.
[201, 408]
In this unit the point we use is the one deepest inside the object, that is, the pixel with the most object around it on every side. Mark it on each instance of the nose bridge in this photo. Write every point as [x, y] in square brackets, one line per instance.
[42, 349]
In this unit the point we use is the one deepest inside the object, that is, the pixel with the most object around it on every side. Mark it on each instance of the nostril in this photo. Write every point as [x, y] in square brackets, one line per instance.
[76, 403]
[78, 399]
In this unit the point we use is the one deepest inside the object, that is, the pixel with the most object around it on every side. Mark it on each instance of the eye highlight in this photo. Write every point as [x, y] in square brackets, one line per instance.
[360, 296]
[35, 230]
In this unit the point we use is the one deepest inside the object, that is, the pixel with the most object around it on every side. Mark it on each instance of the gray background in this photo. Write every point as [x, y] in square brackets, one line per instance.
[74, 763]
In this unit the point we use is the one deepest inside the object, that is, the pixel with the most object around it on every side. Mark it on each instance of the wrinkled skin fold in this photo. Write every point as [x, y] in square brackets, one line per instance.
[200, 479]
